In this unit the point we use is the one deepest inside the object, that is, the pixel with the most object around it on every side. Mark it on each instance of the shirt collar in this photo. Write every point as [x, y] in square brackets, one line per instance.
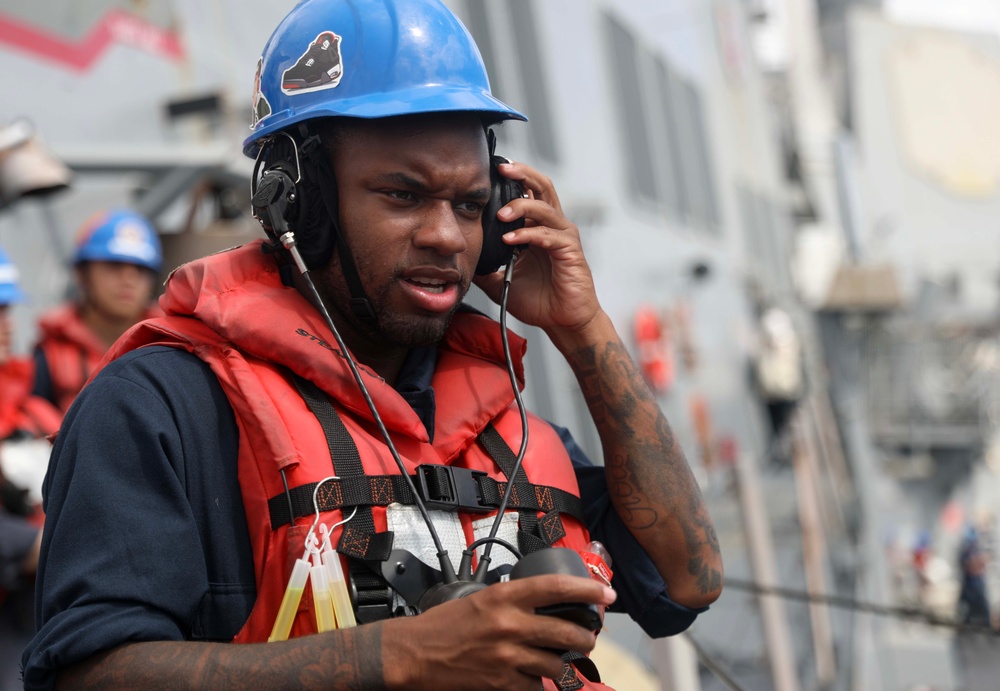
[414, 384]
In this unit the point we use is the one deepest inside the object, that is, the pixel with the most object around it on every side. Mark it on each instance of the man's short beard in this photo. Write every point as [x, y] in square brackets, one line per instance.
[410, 332]
[388, 329]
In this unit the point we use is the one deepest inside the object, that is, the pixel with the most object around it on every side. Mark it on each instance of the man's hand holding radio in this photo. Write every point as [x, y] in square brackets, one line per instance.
[492, 639]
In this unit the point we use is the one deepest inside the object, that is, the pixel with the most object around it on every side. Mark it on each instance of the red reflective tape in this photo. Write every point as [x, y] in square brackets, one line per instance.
[599, 571]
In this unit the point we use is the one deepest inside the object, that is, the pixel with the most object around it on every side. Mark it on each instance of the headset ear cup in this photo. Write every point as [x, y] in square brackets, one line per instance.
[292, 210]
[308, 217]
[495, 252]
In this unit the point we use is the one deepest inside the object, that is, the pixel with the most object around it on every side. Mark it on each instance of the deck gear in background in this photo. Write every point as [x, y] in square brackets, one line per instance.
[27, 167]
[116, 261]
[343, 337]
[780, 376]
[655, 350]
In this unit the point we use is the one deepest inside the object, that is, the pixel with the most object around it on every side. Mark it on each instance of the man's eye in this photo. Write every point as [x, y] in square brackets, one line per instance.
[401, 195]
[471, 207]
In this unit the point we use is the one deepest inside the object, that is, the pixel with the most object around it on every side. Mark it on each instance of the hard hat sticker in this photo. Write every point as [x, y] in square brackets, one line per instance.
[8, 274]
[319, 67]
[129, 240]
[259, 107]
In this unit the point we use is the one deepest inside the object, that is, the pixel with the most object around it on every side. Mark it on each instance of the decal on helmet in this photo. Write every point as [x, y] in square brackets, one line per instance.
[130, 240]
[9, 274]
[259, 107]
[319, 67]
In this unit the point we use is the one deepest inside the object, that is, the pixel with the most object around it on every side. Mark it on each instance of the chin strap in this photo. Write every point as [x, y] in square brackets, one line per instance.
[314, 152]
[360, 304]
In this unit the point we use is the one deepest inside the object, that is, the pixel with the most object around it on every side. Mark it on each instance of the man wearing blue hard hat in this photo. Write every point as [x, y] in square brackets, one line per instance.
[25, 420]
[315, 470]
[115, 264]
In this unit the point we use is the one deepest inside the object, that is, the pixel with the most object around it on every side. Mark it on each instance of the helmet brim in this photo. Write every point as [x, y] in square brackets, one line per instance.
[385, 105]
[10, 294]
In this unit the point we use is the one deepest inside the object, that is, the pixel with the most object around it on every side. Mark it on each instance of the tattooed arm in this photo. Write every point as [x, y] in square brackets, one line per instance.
[651, 485]
[314, 662]
[492, 639]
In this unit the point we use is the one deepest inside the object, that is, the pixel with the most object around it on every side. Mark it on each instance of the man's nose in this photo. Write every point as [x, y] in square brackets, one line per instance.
[443, 230]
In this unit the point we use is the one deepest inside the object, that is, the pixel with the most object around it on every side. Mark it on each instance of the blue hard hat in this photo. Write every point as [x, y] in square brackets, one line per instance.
[10, 289]
[368, 59]
[119, 236]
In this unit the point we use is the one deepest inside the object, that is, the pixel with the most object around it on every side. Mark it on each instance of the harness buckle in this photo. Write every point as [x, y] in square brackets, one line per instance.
[446, 488]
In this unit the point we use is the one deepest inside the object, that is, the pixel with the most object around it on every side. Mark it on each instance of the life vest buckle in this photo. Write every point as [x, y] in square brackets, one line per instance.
[446, 488]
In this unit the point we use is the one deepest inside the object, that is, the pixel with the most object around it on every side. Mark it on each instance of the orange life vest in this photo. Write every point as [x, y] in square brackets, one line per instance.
[19, 410]
[257, 335]
[22, 412]
[72, 351]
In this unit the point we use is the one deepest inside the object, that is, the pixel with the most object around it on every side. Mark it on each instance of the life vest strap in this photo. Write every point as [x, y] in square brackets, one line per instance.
[583, 665]
[535, 533]
[359, 538]
[568, 680]
[441, 487]
[370, 592]
[462, 490]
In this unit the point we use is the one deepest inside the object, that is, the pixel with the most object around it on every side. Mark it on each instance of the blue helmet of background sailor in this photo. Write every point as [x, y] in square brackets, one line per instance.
[10, 288]
[119, 235]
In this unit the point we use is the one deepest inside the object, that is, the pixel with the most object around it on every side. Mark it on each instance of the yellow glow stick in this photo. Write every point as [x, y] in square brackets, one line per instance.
[338, 589]
[290, 601]
[322, 601]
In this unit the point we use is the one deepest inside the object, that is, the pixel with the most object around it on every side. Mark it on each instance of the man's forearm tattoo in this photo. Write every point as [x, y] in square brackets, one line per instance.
[351, 662]
[649, 476]
[708, 578]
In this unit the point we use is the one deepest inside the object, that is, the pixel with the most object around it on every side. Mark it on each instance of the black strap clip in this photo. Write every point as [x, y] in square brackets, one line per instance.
[446, 488]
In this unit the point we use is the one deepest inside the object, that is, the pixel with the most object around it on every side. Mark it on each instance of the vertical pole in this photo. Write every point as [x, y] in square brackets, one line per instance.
[676, 664]
[762, 562]
[813, 551]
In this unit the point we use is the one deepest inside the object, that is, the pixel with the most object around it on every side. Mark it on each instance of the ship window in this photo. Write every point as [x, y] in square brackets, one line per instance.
[477, 20]
[536, 91]
[671, 166]
[631, 110]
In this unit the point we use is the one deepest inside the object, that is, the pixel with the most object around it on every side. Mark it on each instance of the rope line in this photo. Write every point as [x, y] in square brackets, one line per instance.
[909, 613]
[713, 666]
[718, 670]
